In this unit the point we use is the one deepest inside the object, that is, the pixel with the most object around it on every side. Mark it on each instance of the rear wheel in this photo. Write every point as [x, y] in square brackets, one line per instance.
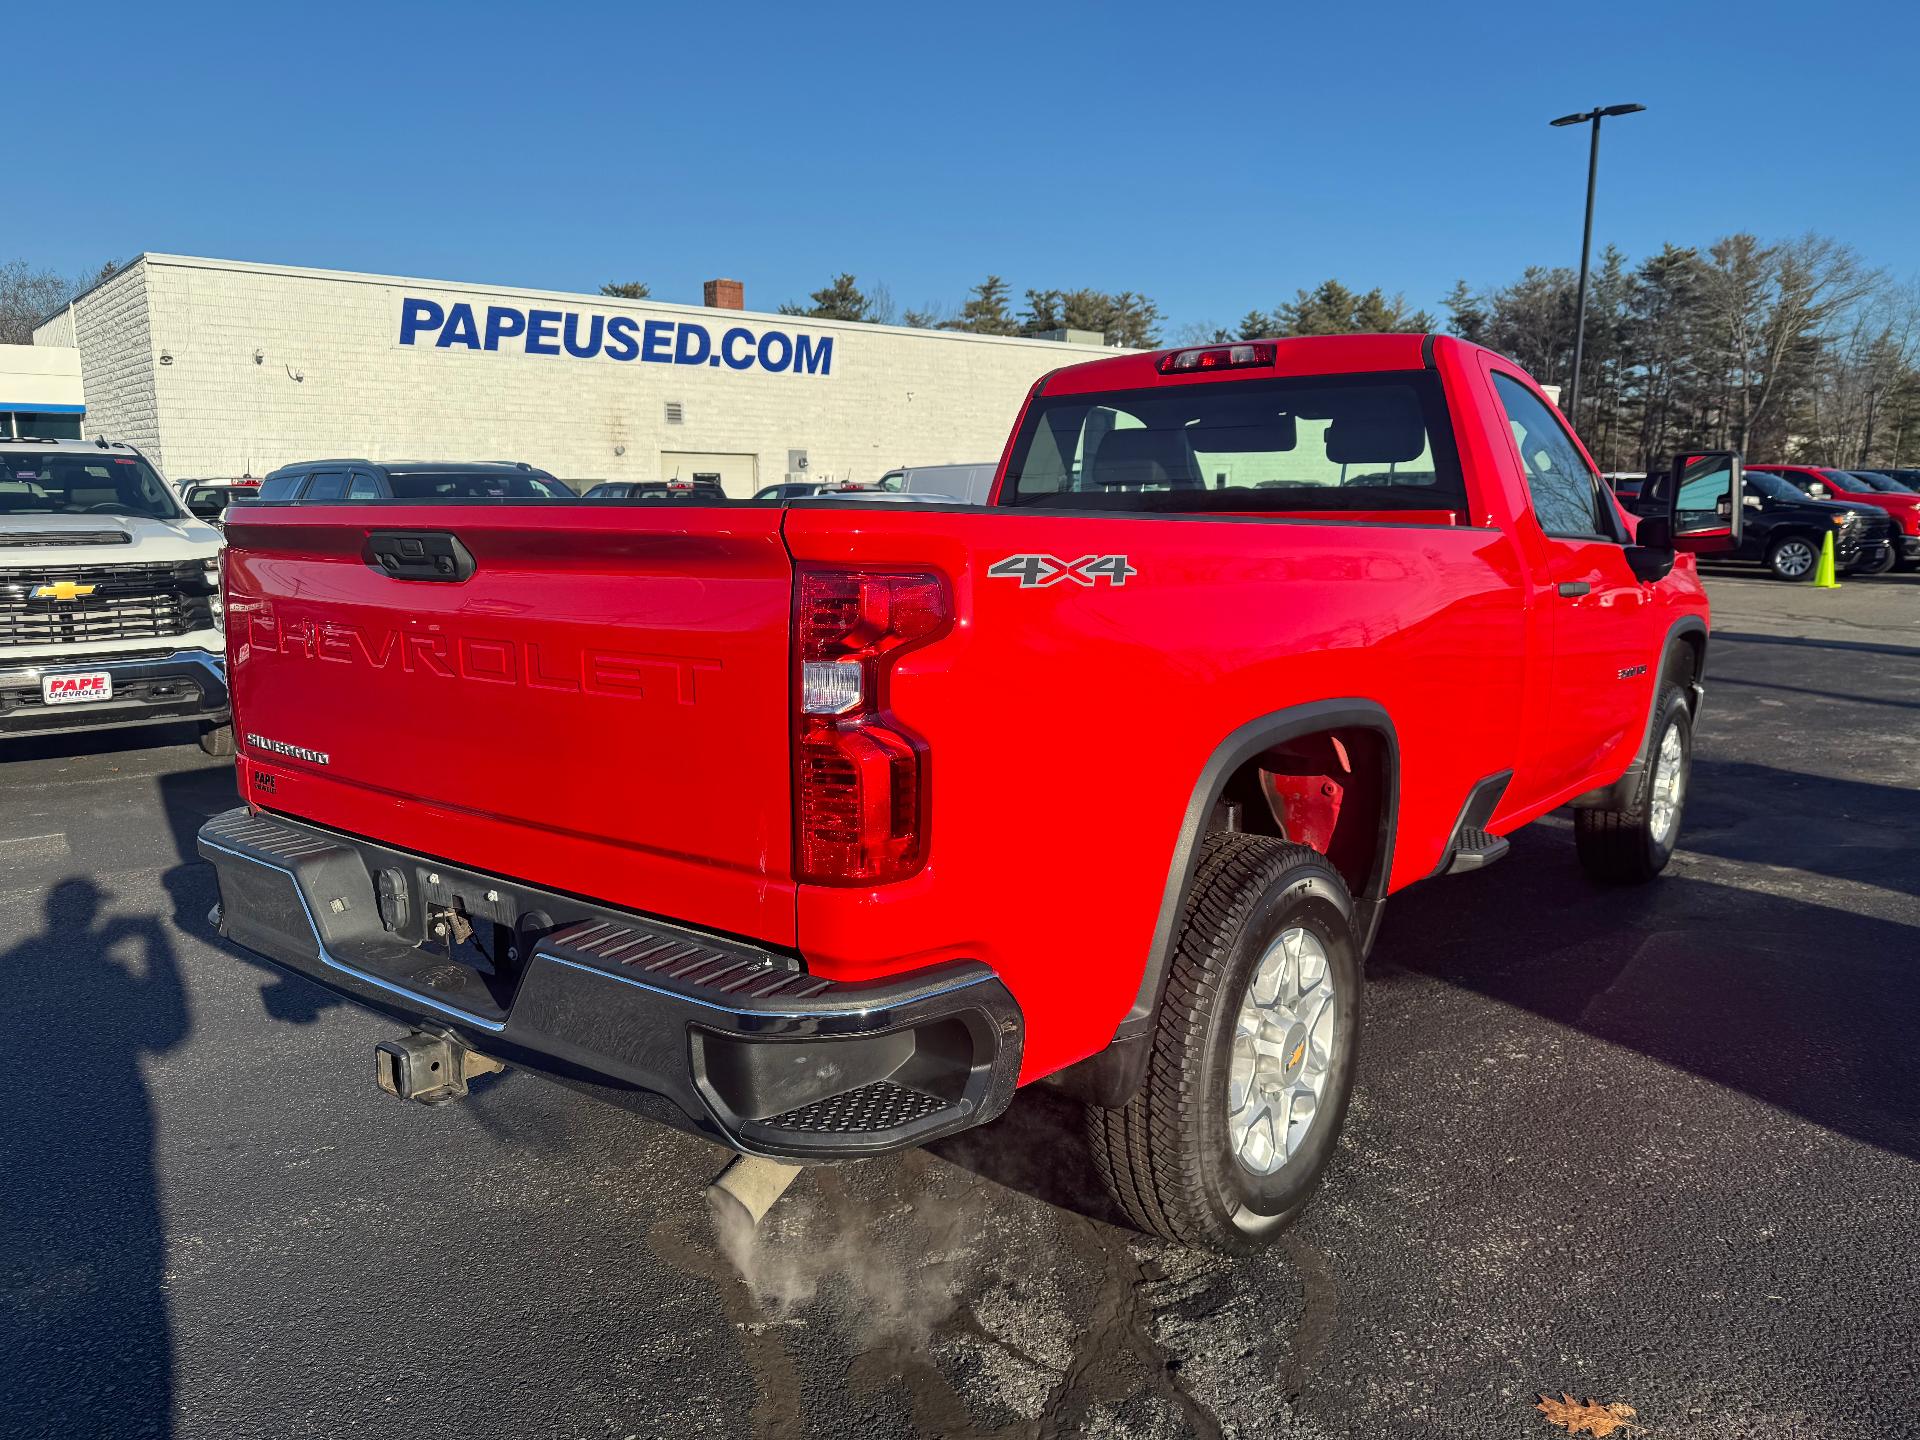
[1252, 1055]
[1792, 557]
[1631, 846]
[216, 739]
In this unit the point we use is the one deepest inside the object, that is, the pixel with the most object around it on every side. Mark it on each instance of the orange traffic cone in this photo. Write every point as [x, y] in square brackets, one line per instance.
[1823, 578]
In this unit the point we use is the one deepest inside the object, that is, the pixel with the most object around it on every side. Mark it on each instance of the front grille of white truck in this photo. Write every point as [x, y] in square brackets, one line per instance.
[84, 604]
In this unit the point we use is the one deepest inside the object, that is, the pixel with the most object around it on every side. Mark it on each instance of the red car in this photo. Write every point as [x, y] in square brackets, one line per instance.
[820, 829]
[1863, 488]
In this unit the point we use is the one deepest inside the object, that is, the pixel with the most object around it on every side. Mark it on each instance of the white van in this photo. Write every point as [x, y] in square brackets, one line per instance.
[967, 484]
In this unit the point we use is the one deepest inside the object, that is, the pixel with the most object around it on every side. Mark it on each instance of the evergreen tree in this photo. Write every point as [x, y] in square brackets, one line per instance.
[841, 299]
[626, 289]
[1330, 308]
[1257, 325]
[1126, 319]
[985, 312]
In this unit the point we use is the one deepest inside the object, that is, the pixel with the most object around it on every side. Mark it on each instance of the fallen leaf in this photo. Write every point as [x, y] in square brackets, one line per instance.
[1588, 1417]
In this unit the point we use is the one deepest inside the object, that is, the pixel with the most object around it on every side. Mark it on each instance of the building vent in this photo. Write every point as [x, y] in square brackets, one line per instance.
[675, 415]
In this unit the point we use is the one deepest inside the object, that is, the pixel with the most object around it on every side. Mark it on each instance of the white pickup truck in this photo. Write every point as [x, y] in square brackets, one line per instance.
[110, 606]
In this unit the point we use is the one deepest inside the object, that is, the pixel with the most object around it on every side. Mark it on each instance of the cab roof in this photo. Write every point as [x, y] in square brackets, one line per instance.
[418, 467]
[1305, 355]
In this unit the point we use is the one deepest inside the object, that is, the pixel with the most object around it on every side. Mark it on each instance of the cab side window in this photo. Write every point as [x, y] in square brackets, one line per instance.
[327, 485]
[363, 487]
[1565, 491]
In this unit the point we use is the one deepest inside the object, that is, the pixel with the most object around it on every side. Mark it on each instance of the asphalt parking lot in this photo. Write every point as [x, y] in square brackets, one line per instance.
[1658, 1147]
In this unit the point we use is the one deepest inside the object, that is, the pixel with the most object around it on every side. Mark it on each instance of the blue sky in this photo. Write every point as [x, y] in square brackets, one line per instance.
[1214, 156]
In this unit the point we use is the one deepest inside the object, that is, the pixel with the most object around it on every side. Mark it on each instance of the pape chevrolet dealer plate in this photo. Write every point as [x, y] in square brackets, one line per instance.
[76, 688]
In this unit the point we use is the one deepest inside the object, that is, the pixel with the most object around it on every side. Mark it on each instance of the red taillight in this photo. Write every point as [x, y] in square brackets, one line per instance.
[859, 777]
[1216, 357]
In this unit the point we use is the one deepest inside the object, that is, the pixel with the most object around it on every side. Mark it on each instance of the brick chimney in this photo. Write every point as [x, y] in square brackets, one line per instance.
[726, 295]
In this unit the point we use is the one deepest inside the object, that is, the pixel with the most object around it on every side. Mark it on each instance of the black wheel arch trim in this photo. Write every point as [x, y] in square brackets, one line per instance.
[1621, 793]
[1110, 1076]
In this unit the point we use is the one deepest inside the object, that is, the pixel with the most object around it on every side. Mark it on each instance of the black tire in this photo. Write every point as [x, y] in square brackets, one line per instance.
[217, 739]
[1625, 847]
[1167, 1155]
[1793, 557]
[1879, 566]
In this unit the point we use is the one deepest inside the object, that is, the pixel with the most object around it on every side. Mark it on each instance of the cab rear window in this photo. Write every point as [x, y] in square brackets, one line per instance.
[1320, 443]
[476, 485]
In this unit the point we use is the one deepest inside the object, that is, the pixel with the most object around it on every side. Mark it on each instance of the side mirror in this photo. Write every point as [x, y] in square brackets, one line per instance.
[1650, 557]
[1704, 500]
[1753, 502]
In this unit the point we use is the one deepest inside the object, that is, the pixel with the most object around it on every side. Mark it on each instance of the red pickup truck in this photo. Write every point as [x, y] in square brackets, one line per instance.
[819, 829]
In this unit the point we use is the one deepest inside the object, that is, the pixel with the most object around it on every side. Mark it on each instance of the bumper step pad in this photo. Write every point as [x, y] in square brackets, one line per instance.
[883, 1105]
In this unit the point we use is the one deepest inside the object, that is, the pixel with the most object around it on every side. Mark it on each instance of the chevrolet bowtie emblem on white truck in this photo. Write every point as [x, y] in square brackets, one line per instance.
[62, 590]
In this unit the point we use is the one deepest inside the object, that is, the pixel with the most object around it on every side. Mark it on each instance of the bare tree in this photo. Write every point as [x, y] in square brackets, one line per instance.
[27, 297]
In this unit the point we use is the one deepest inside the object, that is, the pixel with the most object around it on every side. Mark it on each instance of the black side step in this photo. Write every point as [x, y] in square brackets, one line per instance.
[1470, 847]
[1475, 850]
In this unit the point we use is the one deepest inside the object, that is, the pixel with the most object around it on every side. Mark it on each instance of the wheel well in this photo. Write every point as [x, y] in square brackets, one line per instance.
[1694, 643]
[1327, 790]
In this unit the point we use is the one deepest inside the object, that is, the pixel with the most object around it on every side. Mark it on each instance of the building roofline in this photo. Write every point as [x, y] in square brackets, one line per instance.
[604, 302]
[80, 295]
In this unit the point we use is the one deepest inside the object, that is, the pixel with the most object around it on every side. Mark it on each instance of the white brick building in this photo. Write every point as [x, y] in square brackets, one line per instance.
[218, 367]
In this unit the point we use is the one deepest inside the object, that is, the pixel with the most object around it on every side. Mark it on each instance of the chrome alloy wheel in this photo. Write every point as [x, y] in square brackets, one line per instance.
[1669, 785]
[1282, 1052]
[1795, 558]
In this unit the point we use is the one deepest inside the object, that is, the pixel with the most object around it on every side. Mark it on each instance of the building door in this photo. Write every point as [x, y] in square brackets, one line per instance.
[739, 475]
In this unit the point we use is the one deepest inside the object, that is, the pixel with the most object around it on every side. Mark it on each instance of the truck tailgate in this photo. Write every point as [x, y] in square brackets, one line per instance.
[601, 707]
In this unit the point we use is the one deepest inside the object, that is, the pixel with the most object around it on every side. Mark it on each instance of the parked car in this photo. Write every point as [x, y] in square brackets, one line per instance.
[1901, 505]
[208, 499]
[411, 480]
[689, 492]
[110, 605]
[1626, 484]
[1786, 528]
[1910, 479]
[968, 484]
[804, 489]
[783, 886]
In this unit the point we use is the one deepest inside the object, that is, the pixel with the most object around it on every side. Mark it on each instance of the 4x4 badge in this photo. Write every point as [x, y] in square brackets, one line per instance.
[1039, 571]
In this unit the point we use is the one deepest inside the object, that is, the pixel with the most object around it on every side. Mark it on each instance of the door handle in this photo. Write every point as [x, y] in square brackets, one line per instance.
[1575, 587]
[419, 555]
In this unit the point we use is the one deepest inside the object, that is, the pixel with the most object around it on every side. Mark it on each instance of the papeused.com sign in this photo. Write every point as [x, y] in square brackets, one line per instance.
[586, 336]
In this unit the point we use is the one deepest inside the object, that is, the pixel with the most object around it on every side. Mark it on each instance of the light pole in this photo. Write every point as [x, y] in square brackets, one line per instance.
[1586, 242]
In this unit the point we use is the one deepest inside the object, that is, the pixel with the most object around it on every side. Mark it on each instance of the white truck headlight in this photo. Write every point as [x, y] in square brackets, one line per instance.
[217, 601]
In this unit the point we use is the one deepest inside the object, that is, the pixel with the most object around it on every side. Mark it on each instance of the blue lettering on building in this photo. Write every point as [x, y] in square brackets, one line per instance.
[623, 338]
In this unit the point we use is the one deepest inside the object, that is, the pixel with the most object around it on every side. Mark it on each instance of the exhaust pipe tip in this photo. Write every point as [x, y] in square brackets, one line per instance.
[748, 1188]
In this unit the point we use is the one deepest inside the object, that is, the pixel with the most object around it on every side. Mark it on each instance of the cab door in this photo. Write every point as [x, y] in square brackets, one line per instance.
[1601, 672]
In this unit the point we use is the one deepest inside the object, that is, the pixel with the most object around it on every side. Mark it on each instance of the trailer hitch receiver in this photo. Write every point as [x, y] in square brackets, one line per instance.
[432, 1069]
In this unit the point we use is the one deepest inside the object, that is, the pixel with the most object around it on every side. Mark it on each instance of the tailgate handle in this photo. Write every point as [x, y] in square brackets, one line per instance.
[419, 555]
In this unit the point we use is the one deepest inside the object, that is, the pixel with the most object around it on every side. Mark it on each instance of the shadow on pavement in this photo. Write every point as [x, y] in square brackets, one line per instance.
[1736, 637]
[188, 799]
[1039, 1148]
[123, 740]
[1854, 830]
[1805, 1006]
[84, 1328]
